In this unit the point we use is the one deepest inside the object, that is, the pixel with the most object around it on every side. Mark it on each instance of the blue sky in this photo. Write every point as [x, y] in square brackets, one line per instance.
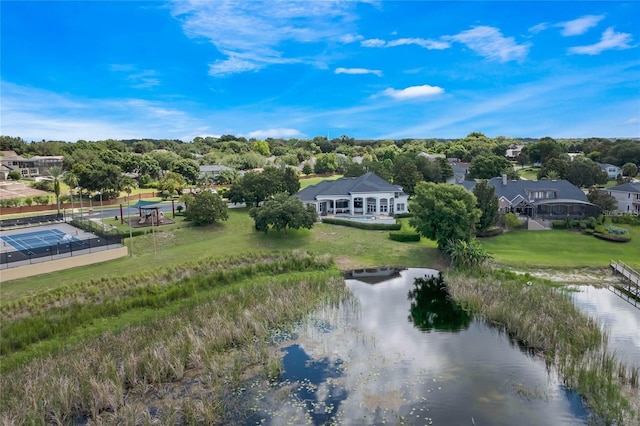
[89, 70]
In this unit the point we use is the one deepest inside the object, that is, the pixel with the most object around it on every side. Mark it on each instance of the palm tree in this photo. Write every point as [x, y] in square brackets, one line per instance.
[56, 174]
[72, 180]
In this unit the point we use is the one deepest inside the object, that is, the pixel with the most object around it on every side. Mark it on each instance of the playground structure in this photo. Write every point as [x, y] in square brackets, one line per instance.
[149, 215]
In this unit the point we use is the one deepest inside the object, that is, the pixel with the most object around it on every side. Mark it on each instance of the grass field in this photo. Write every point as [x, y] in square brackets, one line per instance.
[561, 249]
[180, 243]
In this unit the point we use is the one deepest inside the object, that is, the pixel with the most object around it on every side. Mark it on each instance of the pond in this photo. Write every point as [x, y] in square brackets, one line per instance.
[401, 353]
[618, 317]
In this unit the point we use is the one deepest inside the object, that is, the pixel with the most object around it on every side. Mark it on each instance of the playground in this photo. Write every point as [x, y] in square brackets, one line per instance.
[149, 214]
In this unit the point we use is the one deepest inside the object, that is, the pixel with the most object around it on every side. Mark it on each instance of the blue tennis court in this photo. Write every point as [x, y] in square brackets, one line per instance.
[38, 239]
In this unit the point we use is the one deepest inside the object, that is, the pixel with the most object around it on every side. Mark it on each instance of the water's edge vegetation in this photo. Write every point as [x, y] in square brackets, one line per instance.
[542, 317]
[123, 350]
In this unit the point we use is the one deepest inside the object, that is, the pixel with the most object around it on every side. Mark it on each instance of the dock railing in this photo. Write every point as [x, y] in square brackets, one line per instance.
[629, 288]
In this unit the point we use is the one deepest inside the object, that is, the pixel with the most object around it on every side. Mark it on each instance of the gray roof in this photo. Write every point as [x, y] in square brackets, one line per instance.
[565, 189]
[627, 187]
[214, 168]
[369, 182]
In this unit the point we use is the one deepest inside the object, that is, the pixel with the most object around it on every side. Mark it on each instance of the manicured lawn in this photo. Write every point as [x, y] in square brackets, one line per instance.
[181, 243]
[304, 182]
[561, 249]
[529, 173]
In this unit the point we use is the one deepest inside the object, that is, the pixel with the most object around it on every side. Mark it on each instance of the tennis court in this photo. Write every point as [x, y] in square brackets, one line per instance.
[38, 239]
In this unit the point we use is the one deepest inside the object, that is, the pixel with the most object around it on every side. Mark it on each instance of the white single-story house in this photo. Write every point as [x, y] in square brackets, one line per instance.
[363, 195]
[628, 197]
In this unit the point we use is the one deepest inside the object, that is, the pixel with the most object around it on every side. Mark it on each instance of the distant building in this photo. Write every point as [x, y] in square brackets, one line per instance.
[628, 197]
[542, 199]
[33, 167]
[612, 171]
[513, 151]
[213, 171]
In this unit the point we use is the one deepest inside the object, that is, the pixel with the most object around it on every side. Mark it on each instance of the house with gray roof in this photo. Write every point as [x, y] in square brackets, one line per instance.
[628, 197]
[368, 194]
[612, 171]
[213, 171]
[542, 199]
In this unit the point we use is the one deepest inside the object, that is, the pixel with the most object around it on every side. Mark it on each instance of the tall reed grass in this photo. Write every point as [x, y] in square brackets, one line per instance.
[543, 318]
[140, 375]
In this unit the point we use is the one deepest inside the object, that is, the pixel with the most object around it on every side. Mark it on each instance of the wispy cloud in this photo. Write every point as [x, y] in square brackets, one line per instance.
[421, 42]
[414, 92]
[138, 79]
[251, 35]
[350, 38]
[358, 71]
[491, 44]
[539, 27]
[609, 40]
[580, 25]
[275, 133]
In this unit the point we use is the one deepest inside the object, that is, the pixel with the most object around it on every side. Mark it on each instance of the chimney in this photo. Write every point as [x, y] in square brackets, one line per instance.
[504, 179]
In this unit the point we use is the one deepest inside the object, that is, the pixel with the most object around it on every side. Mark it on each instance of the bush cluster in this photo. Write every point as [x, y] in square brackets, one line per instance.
[404, 236]
[489, 232]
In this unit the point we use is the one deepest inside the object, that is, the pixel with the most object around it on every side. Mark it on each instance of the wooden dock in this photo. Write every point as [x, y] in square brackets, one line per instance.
[629, 287]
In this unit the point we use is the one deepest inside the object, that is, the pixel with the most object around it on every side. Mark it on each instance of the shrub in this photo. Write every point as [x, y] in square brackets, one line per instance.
[612, 238]
[14, 175]
[615, 230]
[626, 219]
[403, 215]
[489, 232]
[511, 221]
[404, 236]
[466, 253]
[28, 201]
[558, 224]
[363, 225]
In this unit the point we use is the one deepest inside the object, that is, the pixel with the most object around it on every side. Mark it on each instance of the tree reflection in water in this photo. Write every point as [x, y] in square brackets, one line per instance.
[432, 307]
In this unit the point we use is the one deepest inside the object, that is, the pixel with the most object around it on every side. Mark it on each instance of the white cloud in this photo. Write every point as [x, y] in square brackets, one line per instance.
[424, 43]
[275, 133]
[490, 43]
[538, 28]
[139, 79]
[414, 92]
[609, 40]
[373, 42]
[580, 25]
[358, 71]
[251, 35]
[350, 38]
[634, 120]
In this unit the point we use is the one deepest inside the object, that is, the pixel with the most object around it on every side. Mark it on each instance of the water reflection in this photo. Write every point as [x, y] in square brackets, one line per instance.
[372, 366]
[617, 316]
[432, 307]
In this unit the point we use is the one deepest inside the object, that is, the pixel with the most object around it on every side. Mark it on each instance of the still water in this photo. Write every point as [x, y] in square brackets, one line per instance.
[402, 354]
[618, 317]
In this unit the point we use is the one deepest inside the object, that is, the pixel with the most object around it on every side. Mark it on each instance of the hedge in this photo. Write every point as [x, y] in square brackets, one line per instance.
[489, 232]
[627, 219]
[403, 215]
[612, 238]
[362, 225]
[404, 236]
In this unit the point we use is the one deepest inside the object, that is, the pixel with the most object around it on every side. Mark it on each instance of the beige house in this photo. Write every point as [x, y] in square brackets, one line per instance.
[31, 167]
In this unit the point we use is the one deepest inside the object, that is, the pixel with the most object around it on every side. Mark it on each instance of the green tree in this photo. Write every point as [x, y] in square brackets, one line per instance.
[206, 208]
[630, 170]
[556, 165]
[487, 203]
[488, 166]
[405, 173]
[254, 188]
[355, 170]
[262, 148]
[15, 175]
[584, 173]
[172, 183]
[290, 180]
[444, 212]
[326, 163]
[605, 202]
[545, 148]
[282, 212]
[187, 168]
[307, 168]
